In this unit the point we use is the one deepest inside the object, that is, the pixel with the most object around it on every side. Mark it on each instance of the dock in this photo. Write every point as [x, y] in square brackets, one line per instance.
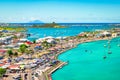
[53, 69]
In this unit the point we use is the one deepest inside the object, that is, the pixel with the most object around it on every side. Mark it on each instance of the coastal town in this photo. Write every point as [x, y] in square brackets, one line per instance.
[22, 59]
[60, 40]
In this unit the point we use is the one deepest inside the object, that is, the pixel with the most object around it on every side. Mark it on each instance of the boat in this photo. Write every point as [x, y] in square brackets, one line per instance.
[109, 52]
[104, 45]
[118, 45]
[104, 57]
[86, 50]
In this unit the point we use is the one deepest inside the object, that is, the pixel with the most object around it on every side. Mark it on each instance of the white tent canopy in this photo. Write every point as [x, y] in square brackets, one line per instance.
[23, 39]
[105, 33]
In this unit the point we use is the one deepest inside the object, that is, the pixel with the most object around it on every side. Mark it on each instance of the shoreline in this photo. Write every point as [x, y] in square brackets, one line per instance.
[48, 76]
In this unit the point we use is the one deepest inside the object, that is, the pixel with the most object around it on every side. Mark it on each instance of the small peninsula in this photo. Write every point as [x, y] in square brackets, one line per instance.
[47, 25]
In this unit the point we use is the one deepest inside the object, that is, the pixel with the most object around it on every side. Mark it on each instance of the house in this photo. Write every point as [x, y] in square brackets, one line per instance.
[6, 40]
[2, 52]
[106, 34]
[115, 34]
[82, 34]
[118, 34]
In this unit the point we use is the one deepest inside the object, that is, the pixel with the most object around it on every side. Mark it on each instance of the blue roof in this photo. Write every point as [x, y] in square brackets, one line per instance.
[4, 30]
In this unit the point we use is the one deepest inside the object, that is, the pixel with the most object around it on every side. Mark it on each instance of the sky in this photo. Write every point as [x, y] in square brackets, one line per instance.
[60, 11]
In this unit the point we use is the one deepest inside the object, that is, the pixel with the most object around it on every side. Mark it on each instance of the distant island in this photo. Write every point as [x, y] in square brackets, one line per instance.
[48, 25]
[36, 21]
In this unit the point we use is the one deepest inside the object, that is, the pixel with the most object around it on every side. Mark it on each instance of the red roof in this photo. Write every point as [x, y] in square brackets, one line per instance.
[1, 50]
[13, 67]
[81, 34]
[2, 65]
[28, 42]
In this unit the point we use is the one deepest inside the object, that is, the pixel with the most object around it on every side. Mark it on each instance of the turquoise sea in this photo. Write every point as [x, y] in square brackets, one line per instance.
[70, 30]
[86, 62]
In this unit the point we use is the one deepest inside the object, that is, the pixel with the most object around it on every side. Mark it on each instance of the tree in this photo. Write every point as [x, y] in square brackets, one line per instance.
[15, 54]
[15, 37]
[34, 41]
[10, 53]
[23, 47]
[85, 36]
[46, 45]
[2, 72]
[53, 23]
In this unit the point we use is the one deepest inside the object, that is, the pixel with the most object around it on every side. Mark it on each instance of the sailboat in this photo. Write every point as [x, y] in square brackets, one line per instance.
[104, 57]
[104, 45]
[109, 52]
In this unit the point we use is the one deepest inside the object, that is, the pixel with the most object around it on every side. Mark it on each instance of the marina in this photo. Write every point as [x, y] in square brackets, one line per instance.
[88, 65]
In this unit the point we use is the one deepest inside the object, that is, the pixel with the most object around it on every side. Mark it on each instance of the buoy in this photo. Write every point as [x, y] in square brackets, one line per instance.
[104, 57]
[104, 45]
[86, 50]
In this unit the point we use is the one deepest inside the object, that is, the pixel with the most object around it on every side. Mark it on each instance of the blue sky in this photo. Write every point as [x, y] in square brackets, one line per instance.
[82, 11]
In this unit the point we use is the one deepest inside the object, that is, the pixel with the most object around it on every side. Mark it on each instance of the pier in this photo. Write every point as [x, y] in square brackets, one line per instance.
[48, 73]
